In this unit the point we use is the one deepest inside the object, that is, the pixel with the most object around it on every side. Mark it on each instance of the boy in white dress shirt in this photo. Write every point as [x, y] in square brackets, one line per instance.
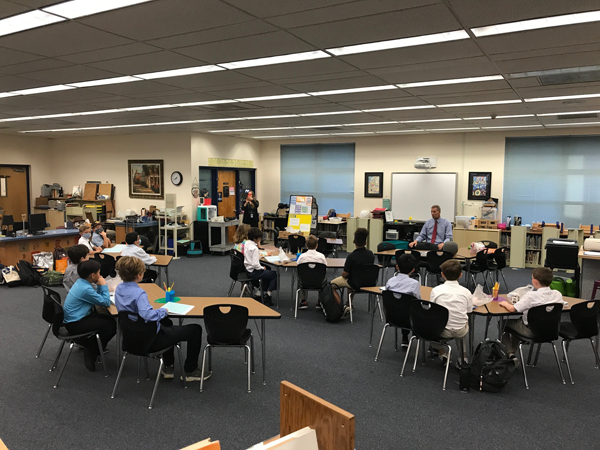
[310, 256]
[132, 249]
[254, 269]
[540, 279]
[457, 300]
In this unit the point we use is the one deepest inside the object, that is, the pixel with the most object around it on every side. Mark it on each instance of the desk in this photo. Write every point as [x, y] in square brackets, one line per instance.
[223, 246]
[121, 228]
[256, 310]
[590, 272]
[162, 262]
[12, 249]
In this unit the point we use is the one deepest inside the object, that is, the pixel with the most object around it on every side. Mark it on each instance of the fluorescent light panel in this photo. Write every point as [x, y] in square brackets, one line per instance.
[330, 113]
[512, 126]
[567, 113]
[179, 72]
[41, 90]
[571, 124]
[453, 129]
[81, 8]
[399, 108]
[354, 90]
[565, 71]
[536, 24]
[431, 120]
[270, 60]
[498, 102]
[452, 81]
[562, 97]
[270, 97]
[105, 81]
[27, 21]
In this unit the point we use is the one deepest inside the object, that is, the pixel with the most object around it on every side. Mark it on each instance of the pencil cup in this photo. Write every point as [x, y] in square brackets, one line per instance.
[170, 295]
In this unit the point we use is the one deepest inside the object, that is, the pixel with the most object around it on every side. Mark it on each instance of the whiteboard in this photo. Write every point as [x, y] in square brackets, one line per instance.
[413, 193]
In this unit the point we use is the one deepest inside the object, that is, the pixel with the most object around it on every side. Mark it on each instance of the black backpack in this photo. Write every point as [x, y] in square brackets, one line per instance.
[332, 311]
[490, 367]
[29, 276]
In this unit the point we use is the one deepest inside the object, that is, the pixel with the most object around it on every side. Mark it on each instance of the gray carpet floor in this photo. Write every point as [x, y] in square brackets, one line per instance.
[333, 361]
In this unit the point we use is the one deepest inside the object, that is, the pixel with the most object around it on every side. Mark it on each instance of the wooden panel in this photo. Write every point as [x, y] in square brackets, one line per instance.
[90, 190]
[299, 409]
[227, 206]
[518, 236]
[105, 189]
[15, 203]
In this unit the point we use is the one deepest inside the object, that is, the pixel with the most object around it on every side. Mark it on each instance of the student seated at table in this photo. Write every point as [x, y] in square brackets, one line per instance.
[99, 238]
[310, 256]
[85, 231]
[361, 255]
[457, 300]
[240, 237]
[541, 278]
[402, 283]
[80, 314]
[132, 248]
[132, 298]
[253, 267]
[77, 254]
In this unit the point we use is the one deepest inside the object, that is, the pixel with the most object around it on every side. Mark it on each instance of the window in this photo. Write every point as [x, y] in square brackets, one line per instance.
[553, 179]
[325, 171]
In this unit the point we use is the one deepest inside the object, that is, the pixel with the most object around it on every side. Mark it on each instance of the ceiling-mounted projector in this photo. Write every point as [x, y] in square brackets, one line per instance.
[426, 163]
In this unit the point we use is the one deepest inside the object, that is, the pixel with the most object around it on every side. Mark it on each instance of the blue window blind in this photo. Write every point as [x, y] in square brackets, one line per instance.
[325, 171]
[553, 179]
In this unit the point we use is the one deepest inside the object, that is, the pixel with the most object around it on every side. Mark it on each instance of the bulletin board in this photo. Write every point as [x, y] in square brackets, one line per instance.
[300, 222]
[301, 204]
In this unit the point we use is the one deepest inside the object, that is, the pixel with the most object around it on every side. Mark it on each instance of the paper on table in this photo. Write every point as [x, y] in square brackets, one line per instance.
[112, 297]
[177, 308]
[591, 253]
[272, 259]
[116, 249]
[305, 227]
[294, 221]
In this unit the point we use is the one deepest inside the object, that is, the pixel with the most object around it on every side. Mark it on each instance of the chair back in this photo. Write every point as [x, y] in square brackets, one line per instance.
[322, 245]
[107, 264]
[50, 297]
[295, 242]
[59, 318]
[489, 244]
[427, 319]
[481, 260]
[225, 327]
[364, 275]
[545, 324]
[397, 310]
[500, 257]
[415, 254]
[584, 317]
[561, 256]
[311, 277]
[237, 265]
[382, 247]
[137, 334]
[436, 259]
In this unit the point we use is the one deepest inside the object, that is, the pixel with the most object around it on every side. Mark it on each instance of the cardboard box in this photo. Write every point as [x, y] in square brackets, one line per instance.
[41, 201]
[90, 191]
[105, 189]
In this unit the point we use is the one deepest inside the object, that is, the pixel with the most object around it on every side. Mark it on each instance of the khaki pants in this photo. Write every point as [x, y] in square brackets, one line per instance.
[457, 335]
[341, 282]
[510, 340]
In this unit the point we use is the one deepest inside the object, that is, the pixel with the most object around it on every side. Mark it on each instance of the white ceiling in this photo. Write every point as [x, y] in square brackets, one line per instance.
[166, 35]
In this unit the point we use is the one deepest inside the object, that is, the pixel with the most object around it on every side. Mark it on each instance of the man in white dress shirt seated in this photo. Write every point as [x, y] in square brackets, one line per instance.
[435, 231]
[132, 249]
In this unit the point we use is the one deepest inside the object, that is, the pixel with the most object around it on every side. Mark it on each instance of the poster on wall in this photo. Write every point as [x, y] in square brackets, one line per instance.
[146, 179]
[480, 185]
[301, 204]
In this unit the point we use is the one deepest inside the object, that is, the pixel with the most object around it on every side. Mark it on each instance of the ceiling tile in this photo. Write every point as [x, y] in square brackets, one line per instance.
[32, 66]
[298, 69]
[10, 57]
[103, 54]
[133, 88]
[206, 80]
[269, 9]
[11, 83]
[8, 9]
[149, 62]
[71, 74]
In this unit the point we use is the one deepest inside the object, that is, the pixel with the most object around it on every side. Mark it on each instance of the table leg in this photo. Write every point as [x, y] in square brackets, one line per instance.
[167, 274]
[372, 319]
[471, 333]
[264, 357]
[278, 268]
[118, 343]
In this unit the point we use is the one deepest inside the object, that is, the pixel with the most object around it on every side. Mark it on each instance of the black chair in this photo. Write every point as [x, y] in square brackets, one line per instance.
[295, 242]
[396, 308]
[237, 273]
[227, 329]
[63, 335]
[583, 325]
[311, 277]
[489, 244]
[361, 276]
[434, 261]
[480, 266]
[137, 337]
[544, 326]
[428, 321]
[386, 261]
[322, 247]
[107, 264]
[499, 264]
[563, 254]
[50, 297]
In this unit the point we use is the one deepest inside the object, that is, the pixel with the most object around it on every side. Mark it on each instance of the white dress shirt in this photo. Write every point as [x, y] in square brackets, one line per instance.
[542, 296]
[457, 300]
[403, 284]
[252, 256]
[86, 242]
[312, 256]
[138, 252]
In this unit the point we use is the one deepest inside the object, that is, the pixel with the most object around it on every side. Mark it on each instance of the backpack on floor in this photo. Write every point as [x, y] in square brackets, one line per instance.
[10, 276]
[490, 367]
[332, 311]
[52, 278]
[29, 276]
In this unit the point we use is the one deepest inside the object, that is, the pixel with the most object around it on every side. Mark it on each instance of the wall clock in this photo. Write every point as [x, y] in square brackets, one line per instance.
[176, 178]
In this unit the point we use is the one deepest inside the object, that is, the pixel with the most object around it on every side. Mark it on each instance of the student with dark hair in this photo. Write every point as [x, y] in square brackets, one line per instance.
[76, 253]
[402, 283]
[310, 256]
[80, 314]
[132, 248]
[255, 270]
[360, 256]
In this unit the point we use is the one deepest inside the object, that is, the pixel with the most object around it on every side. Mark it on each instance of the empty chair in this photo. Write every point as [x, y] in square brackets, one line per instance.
[137, 339]
[480, 266]
[237, 273]
[434, 261]
[386, 261]
[50, 297]
[489, 244]
[396, 308]
[296, 242]
[107, 264]
[226, 327]
[500, 264]
[583, 325]
[311, 277]
[563, 254]
[322, 247]
[361, 276]
[428, 321]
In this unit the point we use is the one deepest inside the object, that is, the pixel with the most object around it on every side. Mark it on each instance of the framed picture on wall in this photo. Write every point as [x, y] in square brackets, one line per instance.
[146, 179]
[480, 184]
[374, 184]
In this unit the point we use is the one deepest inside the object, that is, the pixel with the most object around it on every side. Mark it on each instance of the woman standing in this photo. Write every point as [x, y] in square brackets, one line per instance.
[250, 210]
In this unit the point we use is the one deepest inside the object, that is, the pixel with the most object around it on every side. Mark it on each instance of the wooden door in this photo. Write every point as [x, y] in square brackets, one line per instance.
[226, 189]
[15, 203]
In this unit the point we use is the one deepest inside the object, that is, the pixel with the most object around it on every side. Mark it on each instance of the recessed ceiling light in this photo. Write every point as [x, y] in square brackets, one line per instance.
[80, 8]
[353, 90]
[27, 21]
[565, 71]
[567, 113]
[559, 98]
[499, 117]
[452, 81]
[105, 81]
[571, 124]
[144, 108]
[270, 60]
[399, 108]
[431, 120]
[7, 94]
[41, 90]
[270, 97]
[453, 129]
[369, 123]
[498, 102]
[282, 116]
[209, 102]
[330, 113]
[308, 135]
[398, 131]
[357, 132]
[535, 24]
[399, 43]
[179, 72]
[321, 126]
[512, 126]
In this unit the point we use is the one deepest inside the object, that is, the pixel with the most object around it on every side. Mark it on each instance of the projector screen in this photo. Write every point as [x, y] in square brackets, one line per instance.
[413, 193]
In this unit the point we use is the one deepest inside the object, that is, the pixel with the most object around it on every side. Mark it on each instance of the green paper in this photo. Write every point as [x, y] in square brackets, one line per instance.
[164, 300]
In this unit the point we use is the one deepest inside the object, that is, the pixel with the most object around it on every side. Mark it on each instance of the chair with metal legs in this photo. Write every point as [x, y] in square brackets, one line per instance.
[237, 273]
[137, 338]
[361, 276]
[311, 277]
[50, 297]
[396, 308]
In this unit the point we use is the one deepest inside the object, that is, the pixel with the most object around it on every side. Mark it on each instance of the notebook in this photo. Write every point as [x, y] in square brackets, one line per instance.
[178, 309]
